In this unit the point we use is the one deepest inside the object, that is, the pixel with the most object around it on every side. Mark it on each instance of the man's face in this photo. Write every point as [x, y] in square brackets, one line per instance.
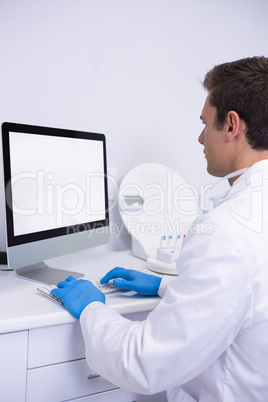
[213, 140]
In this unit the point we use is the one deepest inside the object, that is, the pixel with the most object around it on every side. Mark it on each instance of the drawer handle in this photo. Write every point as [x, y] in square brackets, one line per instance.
[93, 375]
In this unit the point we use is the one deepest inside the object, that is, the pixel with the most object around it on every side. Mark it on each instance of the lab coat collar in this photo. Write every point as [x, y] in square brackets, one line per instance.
[252, 176]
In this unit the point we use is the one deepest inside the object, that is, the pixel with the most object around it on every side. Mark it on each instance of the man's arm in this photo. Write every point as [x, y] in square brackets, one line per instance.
[199, 316]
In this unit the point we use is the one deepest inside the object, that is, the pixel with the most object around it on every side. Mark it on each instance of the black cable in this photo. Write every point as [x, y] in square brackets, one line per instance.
[3, 258]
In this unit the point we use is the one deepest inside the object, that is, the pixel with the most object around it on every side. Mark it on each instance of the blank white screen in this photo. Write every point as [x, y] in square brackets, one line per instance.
[56, 182]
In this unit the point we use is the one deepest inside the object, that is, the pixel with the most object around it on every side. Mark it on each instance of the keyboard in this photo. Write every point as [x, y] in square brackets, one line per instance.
[45, 290]
[105, 288]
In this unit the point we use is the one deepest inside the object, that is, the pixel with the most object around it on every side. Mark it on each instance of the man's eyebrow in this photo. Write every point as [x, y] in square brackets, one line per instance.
[201, 118]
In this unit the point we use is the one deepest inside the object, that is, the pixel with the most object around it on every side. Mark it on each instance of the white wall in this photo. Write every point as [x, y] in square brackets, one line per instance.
[128, 68]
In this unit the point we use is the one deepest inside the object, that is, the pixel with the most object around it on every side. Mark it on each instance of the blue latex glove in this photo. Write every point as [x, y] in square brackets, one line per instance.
[133, 280]
[77, 294]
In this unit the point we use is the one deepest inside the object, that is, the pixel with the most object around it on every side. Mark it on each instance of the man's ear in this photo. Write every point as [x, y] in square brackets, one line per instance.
[235, 125]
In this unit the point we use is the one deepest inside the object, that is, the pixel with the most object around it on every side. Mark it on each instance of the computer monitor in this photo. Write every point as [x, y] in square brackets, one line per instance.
[56, 196]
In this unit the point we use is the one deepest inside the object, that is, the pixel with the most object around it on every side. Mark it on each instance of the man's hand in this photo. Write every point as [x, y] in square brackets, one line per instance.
[77, 294]
[129, 279]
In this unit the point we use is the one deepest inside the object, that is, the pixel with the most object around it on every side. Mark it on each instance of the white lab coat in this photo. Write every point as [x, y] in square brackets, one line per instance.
[207, 340]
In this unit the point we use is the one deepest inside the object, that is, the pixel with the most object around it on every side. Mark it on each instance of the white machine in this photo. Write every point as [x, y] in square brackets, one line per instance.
[157, 207]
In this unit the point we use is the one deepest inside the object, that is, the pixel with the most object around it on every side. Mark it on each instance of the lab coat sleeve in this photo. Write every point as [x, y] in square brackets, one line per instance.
[197, 319]
[166, 280]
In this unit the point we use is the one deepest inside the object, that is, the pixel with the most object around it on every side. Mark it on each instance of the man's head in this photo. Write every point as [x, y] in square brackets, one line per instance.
[242, 86]
[235, 115]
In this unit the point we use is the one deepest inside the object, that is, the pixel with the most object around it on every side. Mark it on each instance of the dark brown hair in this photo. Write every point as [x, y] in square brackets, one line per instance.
[242, 86]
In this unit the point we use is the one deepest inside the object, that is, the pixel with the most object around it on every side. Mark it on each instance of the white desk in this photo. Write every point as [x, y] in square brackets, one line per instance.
[41, 345]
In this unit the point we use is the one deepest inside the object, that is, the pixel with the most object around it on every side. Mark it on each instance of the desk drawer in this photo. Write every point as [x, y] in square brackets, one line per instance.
[61, 382]
[119, 395]
[13, 358]
[57, 344]
[60, 343]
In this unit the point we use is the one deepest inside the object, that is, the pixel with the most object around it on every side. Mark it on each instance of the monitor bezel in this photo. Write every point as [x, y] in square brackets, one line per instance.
[12, 239]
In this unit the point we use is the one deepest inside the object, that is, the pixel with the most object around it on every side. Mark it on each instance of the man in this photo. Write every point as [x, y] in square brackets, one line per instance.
[207, 338]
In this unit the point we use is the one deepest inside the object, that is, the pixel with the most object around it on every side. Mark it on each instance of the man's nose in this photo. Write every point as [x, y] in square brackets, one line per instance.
[201, 138]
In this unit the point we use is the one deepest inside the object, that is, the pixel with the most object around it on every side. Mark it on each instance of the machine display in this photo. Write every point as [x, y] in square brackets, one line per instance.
[56, 196]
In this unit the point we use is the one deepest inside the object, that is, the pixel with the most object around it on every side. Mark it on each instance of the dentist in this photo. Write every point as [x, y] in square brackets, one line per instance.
[207, 340]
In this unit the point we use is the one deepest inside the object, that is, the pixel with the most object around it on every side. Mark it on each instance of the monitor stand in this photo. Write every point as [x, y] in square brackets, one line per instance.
[41, 272]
